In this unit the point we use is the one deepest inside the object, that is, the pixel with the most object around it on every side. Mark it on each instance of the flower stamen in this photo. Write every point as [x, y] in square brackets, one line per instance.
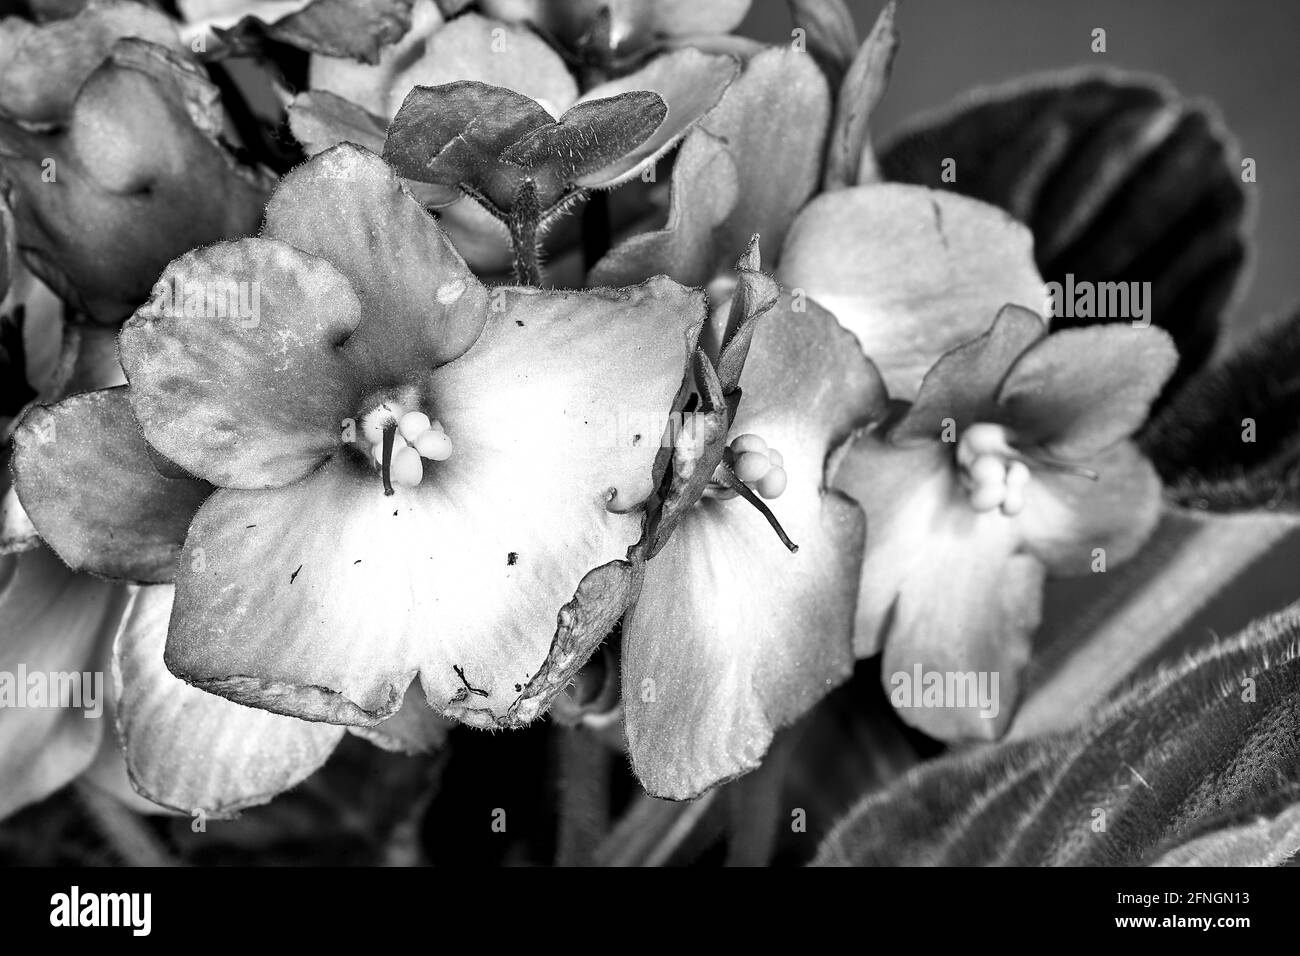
[750, 466]
[399, 441]
[996, 474]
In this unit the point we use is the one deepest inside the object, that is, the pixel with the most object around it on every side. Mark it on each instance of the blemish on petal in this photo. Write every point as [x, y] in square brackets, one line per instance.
[450, 292]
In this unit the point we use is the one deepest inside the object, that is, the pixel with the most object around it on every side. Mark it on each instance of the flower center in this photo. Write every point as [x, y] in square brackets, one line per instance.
[753, 462]
[749, 465]
[398, 440]
[996, 475]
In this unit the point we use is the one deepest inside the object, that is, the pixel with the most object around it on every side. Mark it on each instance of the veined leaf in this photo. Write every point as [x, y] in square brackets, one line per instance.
[1216, 738]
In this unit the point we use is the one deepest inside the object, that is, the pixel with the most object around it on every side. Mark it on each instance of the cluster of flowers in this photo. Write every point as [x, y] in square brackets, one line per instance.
[390, 500]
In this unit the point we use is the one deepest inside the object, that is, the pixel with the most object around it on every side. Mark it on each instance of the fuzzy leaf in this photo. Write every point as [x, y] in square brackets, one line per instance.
[1229, 439]
[1120, 179]
[489, 139]
[1203, 745]
[456, 134]
[591, 136]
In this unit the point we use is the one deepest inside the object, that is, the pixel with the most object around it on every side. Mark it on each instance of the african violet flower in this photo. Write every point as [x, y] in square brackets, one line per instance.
[116, 166]
[334, 564]
[738, 630]
[1013, 462]
[105, 503]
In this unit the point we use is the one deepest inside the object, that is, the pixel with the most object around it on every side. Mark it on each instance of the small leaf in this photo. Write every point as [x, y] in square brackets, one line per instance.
[1210, 740]
[1121, 180]
[456, 133]
[850, 158]
[1230, 438]
[589, 137]
[689, 82]
[490, 140]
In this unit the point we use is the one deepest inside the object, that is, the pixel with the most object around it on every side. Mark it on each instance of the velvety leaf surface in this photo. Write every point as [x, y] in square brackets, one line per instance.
[1229, 438]
[1213, 739]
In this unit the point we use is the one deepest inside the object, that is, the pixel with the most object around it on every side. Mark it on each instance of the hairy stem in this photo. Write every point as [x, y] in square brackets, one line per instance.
[525, 215]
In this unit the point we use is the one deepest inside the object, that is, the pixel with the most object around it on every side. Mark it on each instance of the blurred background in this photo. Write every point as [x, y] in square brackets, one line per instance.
[1239, 55]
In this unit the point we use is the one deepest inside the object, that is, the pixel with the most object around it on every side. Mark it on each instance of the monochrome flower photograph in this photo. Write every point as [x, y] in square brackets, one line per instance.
[649, 433]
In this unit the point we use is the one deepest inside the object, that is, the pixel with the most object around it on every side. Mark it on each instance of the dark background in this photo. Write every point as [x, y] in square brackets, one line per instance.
[1240, 55]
